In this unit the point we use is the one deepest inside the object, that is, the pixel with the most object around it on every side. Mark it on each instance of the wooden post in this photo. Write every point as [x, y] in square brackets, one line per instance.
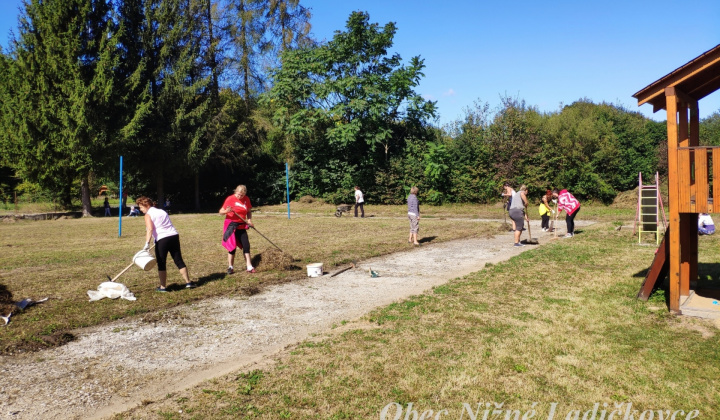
[701, 180]
[674, 257]
[694, 124]
[688, 236]
[716, 180]
[700, 194]
[686, 195]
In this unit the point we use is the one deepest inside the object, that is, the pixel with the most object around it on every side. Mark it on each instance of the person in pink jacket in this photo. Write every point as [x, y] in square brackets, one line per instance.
[567, 202]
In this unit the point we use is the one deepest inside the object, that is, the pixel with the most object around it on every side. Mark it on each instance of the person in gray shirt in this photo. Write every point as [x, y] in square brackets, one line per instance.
[518, 203]
[413, 215]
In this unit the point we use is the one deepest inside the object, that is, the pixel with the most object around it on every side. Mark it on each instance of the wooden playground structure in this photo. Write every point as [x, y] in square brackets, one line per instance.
[693, 172]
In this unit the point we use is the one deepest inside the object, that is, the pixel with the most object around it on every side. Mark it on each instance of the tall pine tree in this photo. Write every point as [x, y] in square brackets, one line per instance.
[169, 95]
[58, 95]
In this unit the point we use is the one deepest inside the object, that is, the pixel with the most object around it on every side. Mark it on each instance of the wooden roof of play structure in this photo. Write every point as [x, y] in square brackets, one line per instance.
[693, 174]
[698, 78]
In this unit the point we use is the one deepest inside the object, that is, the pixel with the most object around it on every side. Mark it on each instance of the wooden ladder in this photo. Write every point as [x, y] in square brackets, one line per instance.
[649, 209]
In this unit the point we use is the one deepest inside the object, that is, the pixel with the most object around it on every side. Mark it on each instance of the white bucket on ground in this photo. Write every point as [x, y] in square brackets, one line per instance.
[315, 269]
[144, 260]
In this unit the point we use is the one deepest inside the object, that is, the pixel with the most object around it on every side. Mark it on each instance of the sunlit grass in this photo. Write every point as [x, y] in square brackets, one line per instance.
[63, 259]
[556, 324]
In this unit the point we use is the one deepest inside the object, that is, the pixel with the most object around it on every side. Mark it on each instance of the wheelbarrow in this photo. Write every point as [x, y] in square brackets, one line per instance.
[342, 208]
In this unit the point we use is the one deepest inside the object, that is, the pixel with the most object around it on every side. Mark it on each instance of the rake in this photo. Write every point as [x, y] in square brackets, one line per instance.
[530, 240]
[258, 232]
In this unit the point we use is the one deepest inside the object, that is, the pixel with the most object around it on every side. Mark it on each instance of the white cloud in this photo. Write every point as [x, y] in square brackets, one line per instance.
[449, 92]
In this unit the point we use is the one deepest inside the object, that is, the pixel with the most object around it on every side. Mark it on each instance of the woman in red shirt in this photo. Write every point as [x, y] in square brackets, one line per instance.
[238, 215]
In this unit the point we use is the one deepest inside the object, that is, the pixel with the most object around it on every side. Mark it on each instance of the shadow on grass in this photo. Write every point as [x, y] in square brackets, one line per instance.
[175, 287]
[5, 295]
[709, 275]
[210, 278]
[707, 285]
[427, 239]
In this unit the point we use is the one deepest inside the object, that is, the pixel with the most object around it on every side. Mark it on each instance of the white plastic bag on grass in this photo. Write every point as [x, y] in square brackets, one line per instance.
[111, 290]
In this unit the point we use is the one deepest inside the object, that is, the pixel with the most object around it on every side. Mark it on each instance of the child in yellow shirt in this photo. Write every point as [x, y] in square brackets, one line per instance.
[545, 211]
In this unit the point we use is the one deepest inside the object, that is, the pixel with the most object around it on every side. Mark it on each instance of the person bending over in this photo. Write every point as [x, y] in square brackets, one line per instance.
[167, 240]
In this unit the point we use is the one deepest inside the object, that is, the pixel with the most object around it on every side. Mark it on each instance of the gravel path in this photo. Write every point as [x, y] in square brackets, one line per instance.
[117, 366]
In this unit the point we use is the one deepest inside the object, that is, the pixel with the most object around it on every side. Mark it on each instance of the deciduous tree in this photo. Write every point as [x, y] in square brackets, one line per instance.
[350, 99]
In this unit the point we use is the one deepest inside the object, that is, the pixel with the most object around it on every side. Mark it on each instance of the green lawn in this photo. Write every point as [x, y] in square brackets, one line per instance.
[63, 259]
[555, 328]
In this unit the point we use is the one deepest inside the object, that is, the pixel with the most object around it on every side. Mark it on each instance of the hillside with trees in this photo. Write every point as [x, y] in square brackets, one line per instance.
[201, 95]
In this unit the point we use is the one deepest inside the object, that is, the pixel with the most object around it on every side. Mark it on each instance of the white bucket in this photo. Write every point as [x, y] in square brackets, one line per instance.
[144, 260]
[315, 269]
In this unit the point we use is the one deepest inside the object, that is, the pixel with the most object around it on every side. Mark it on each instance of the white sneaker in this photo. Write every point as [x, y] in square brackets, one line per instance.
[568, 235]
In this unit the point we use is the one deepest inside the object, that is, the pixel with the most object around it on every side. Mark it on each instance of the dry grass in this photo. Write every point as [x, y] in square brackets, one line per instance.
[318, 207]
[273, 259]
[63, 259]
[623, 210]
[29, 207]
[557, 324]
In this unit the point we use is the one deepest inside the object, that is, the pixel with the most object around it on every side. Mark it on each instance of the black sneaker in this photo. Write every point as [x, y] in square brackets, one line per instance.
[230, 270]
[161, 289]
[190, 285]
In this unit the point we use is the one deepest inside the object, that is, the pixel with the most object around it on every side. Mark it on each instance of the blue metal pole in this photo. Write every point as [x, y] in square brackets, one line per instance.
[287, 185]
[120, 207]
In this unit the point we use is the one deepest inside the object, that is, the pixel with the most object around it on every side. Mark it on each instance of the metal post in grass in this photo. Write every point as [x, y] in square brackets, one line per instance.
[287, 186]
[120, 210]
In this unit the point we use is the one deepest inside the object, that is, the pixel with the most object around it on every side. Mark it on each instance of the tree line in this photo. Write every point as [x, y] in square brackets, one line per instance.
[200, 95]
[170, 85]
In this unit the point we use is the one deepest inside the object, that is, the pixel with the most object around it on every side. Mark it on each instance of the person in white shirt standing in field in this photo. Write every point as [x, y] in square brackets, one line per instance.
[359, 202]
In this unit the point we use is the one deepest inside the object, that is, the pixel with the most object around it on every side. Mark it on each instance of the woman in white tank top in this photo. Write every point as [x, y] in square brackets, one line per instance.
[167, 240]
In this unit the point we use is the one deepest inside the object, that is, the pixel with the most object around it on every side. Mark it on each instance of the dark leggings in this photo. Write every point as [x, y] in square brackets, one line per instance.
[570, 221]
[362, 209]
[545, 221]
[241, 239]
[169, 244]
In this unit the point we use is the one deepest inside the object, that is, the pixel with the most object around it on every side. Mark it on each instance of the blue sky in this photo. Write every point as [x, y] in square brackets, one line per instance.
[546, 53]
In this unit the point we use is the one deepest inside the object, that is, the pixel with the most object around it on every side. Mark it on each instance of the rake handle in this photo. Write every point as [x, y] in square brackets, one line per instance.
[529, 231]
[122, 272]
[258, 232]
[128, 267]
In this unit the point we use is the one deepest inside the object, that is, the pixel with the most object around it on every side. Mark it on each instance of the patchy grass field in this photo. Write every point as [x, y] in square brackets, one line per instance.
[615, 213]
[63, 259]
[558, 324]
